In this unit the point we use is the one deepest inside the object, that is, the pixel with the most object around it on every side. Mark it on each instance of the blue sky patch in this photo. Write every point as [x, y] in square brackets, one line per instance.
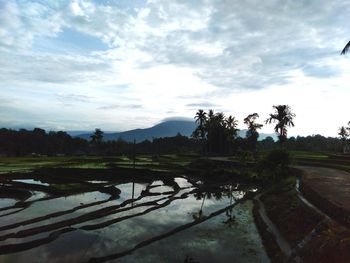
[70, 41]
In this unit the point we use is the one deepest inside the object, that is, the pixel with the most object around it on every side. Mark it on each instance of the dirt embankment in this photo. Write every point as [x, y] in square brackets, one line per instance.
[310, 236]
[329, 190]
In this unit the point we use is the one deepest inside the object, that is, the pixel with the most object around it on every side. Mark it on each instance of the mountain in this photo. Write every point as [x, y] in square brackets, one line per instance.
[163, 129]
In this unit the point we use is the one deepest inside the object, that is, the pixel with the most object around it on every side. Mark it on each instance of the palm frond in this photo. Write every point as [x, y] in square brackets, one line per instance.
[345, 49]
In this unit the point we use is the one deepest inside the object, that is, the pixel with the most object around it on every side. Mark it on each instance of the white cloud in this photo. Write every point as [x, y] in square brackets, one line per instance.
[243, 56]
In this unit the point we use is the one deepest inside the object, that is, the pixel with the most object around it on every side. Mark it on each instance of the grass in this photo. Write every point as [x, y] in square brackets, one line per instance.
[295, 220]
[341, 162]
[161, 162]
[309, 155]
[66, 187]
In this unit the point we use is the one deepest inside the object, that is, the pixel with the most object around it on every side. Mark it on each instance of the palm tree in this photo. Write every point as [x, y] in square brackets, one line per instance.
[210, 114]
[201, 119]
[284, 118]
[215, 130]
[343, 136]
[231, 126]
[231, 132]
[345, 49]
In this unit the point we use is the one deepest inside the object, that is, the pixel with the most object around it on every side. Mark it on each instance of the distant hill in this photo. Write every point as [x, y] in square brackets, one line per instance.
[163, 129]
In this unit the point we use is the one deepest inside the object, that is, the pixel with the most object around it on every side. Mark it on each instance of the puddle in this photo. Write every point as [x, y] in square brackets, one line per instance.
[36, 195]
[5, 202]
[30, 181]
[97, 182]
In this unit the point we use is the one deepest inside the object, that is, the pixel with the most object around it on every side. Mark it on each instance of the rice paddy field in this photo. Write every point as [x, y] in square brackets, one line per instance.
[97, 209]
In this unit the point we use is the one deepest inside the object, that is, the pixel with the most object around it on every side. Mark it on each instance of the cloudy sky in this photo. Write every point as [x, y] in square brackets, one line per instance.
[118, 65]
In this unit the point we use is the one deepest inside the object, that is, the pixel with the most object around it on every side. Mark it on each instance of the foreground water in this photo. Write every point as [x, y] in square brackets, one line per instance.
[169, 220]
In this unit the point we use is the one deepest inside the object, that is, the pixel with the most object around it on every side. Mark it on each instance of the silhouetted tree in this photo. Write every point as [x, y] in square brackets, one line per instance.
[97, 137]
[231, 126]
[267, 144]
[38, 142]
[343, 133]
[252, 133]
[343, 136]
[231, 131]
[284, 118]
[217, 131]
[201, 119]
[345, 49]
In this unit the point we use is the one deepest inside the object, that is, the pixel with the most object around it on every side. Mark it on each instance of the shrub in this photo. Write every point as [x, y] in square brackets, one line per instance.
[245, 157]
[274, 165]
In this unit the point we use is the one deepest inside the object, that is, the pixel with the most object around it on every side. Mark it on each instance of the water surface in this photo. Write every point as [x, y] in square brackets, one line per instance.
[159, 221]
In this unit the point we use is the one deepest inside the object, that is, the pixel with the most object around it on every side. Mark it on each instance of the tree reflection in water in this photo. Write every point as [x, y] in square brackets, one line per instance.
[82, 212]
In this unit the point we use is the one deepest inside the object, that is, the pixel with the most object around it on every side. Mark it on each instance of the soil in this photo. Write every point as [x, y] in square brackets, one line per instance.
[330, 241]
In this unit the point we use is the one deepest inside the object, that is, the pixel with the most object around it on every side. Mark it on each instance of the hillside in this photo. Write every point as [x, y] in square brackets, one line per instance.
[163, 129]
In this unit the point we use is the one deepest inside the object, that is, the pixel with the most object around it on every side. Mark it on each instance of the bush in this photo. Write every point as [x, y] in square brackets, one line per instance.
[244, 157]
[274, 165]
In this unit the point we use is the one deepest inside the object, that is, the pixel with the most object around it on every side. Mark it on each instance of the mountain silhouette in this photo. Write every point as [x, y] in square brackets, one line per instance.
[164, 129]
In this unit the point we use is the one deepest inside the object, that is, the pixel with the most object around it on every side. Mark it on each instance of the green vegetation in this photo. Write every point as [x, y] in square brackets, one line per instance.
[252, 134]
[97, 137]
[282, 204]
[336, 161]
[296, 221]
[152, 162]
[241, 162]
[344, 134]
[66, 187]
[215, 131]
[274, 165]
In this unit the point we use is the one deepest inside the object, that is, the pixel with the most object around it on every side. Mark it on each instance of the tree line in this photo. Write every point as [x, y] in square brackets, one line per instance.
[215, 134]
[38, 142]
[218, 134]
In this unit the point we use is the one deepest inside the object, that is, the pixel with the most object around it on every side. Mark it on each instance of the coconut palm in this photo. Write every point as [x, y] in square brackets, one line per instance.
[231, 132]
[231, 127]
[284, 118]
[201, 119]
[345, 49]
[210, 114]
[215, 130]
[343, 136]
[217, 133]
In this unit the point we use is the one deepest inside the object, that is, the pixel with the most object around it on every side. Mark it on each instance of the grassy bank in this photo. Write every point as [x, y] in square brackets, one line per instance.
[157, 162]
[309, 235]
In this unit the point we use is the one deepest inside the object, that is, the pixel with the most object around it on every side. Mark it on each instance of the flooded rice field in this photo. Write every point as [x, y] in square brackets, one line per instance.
[50, 219]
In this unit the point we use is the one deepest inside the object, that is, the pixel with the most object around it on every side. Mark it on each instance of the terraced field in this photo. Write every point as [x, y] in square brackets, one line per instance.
[336, 161]
[98, 215]
[155, 162]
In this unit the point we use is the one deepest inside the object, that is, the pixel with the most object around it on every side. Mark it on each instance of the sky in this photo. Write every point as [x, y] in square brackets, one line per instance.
[119, 65]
